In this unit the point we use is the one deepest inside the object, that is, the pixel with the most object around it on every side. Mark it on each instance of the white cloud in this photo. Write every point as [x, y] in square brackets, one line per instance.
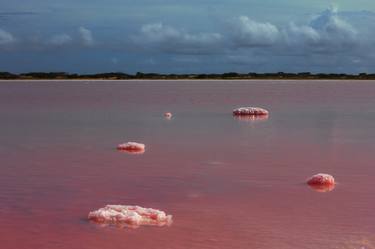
[86, 37]
[60, 40]
[301, 34]
[167, 38]
[249, 33]
[333, 28]
[6, 38]
[327, 32]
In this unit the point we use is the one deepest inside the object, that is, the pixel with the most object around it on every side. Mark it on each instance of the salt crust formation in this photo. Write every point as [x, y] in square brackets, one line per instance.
[255, 111]
[131, 216]
[321, 179]
[131, 147]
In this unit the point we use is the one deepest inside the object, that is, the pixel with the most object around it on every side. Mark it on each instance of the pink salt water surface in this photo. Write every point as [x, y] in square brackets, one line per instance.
[228, 184]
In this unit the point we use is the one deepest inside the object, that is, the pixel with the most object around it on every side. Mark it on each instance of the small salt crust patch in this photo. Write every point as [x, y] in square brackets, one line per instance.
[130, 216]
[168, 115]
[255, 111]
[131, 147]
[321, 180]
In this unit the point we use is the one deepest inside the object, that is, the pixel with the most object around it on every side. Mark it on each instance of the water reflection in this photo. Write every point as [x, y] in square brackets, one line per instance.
[323, 188]
[251, 118]
[132, 152]
[362, 243]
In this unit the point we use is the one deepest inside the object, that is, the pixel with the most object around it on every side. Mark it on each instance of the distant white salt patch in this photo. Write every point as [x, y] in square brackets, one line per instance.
[253, 111]
[168, 115]
[130, 216]
[132, 147]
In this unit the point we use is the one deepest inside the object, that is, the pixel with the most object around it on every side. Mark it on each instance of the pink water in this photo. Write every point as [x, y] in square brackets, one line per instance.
[229, 183]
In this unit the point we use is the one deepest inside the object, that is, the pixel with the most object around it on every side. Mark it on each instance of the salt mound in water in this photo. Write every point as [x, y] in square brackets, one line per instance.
[131, 147]
[132, 216]
[256, 111]
[321, 180]
[168, 115]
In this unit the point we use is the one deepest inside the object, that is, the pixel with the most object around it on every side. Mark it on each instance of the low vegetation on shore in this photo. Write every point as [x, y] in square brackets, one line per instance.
[139, 75]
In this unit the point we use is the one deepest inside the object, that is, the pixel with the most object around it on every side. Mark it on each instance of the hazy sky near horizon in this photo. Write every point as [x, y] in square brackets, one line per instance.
[174, 36]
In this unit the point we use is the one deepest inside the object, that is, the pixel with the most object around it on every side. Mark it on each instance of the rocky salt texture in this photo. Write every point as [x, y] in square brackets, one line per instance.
[255, 111]
[130, 216]
[321, 180]
[131, 147]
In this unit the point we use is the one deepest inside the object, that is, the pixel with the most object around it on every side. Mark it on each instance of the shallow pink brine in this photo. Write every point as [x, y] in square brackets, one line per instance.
[228, 181]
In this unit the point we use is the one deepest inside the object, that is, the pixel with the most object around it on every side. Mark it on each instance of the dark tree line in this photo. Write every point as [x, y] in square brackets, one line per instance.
[140, 75]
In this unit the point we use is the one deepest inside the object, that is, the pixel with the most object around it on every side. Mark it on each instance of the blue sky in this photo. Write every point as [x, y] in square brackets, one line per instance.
[174, 36]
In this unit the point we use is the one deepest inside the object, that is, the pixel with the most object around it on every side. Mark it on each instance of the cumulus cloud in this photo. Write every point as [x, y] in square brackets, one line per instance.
[6, 38]
[86, 37]
[329, 40]
[327, 33]
[333, 28]
[249, 33]
[301, 34]
[170, 39]
[60, 40]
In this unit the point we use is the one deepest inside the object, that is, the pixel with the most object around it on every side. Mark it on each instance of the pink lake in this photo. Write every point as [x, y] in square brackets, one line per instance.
[229, 183]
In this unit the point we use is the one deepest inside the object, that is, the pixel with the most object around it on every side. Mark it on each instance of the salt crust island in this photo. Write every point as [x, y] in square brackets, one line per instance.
[130, 216]
[168, 115]
[131, 147]
[321, 179]
[321, 182]
[250, 111]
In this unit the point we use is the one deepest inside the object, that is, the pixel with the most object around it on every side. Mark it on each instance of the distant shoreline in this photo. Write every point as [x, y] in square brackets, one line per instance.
[62, 76]
[171, 80]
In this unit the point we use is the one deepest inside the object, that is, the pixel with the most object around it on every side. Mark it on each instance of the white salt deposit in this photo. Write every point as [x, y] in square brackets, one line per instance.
[168, 115]
[321, 179]
[132, 216]
[250, 111]
[131, 146]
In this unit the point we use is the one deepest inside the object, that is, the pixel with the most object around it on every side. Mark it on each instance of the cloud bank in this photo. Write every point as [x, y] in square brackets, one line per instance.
[170, 39]
[330, 41]
[245, 32]
[60, 40]
[328, 32]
